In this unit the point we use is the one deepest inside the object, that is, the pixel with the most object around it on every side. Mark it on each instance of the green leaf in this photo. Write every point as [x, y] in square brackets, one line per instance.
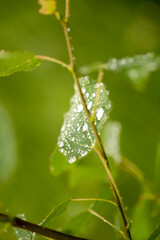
[8, 155]
[111, 138]
[77, 138]
[23, 234]
[157, 168]
[137, 69]
[58, 162]
[11, 62]
[78, 224]
[141, 226]
[57, 211]
[155, 233]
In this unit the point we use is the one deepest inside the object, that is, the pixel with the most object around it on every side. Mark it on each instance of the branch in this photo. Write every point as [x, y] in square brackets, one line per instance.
[46, 232]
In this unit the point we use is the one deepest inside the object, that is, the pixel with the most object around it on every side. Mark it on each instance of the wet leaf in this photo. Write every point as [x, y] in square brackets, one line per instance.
[137, 69]
[8, 155]
[11, 62]
[48, 7]
[76, 138]
[111, 139]
[57, 211]
[23, 234]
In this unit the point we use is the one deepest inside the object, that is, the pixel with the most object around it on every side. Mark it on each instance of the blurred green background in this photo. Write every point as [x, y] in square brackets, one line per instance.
[36, 101]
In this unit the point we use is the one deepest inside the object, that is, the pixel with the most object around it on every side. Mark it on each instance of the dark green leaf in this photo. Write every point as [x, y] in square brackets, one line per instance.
[57, 211]
[77, 138]
[155, 233]
[8, 156]
[11, 62]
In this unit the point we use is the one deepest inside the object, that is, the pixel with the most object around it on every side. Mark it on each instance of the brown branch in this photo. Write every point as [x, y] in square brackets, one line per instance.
[46, 232]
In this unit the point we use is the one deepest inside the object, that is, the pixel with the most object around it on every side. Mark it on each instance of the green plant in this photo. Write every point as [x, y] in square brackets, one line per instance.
[89, 110]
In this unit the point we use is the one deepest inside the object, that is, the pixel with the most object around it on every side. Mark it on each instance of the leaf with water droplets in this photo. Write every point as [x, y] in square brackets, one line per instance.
[48, 7]
[8, 154]
[57, 211]
[111, 138]
[137, 69]
[11, 62]
[77, 138]
[23, 234]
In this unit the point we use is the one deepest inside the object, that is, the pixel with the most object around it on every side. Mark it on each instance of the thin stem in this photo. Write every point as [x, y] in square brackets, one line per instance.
[118, 199]
[100, 78]
[46, 232]
[100, 151]
[50, 59]
[93, 199]
[67, 11]
[105, 220]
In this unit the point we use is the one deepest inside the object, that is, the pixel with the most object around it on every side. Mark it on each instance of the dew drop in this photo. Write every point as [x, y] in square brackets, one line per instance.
[60, 144]
[79, 108]
[83, 90]
[87, 95]
[99, 113]
[72, 159]
[85, 127]
[89, 105]
[93, 95]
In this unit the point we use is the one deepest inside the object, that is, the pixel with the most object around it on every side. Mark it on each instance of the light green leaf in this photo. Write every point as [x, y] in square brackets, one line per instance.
[155, 233]
[76, 138]
[157, 168]
[57, 211]
[136, 68]
[8, 156]
[111, 138]
[58, 162]
[11, 62]
[23, 234]
[48, 7]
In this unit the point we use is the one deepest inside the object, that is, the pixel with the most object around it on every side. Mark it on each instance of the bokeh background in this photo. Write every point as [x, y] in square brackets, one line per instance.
[36, 101]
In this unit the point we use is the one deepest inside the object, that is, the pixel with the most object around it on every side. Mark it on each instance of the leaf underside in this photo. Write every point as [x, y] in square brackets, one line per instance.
[76, 137]
[11, 62]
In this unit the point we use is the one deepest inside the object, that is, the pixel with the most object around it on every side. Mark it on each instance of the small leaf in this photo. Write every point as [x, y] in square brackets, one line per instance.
[157, 168]
[111, 138]
[57, 211]
[8, 155]
[48, 7]
[137, 69]
[23, 234]
[11, 62]
[155, 233]
[58, 163]
[77, 138]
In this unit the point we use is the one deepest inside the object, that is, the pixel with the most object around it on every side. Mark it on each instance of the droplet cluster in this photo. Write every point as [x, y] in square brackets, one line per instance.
[76, 137]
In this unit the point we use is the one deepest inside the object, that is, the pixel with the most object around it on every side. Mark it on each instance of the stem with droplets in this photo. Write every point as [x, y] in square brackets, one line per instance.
[100, 149]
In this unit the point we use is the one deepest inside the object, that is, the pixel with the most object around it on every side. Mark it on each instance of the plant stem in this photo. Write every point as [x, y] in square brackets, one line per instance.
[46, 232]
[67, 11]
[100, 151]
[91, 211]
[93, 199]
[50, 59]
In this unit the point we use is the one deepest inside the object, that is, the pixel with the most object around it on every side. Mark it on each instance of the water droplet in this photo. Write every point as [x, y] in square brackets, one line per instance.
[85, 127]
[72, 159]
[93, 95]
[79, 108]
[60, 144]
[89, 105]
[68, 29]
[87, 95]
[83, 90]
[99, 113]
